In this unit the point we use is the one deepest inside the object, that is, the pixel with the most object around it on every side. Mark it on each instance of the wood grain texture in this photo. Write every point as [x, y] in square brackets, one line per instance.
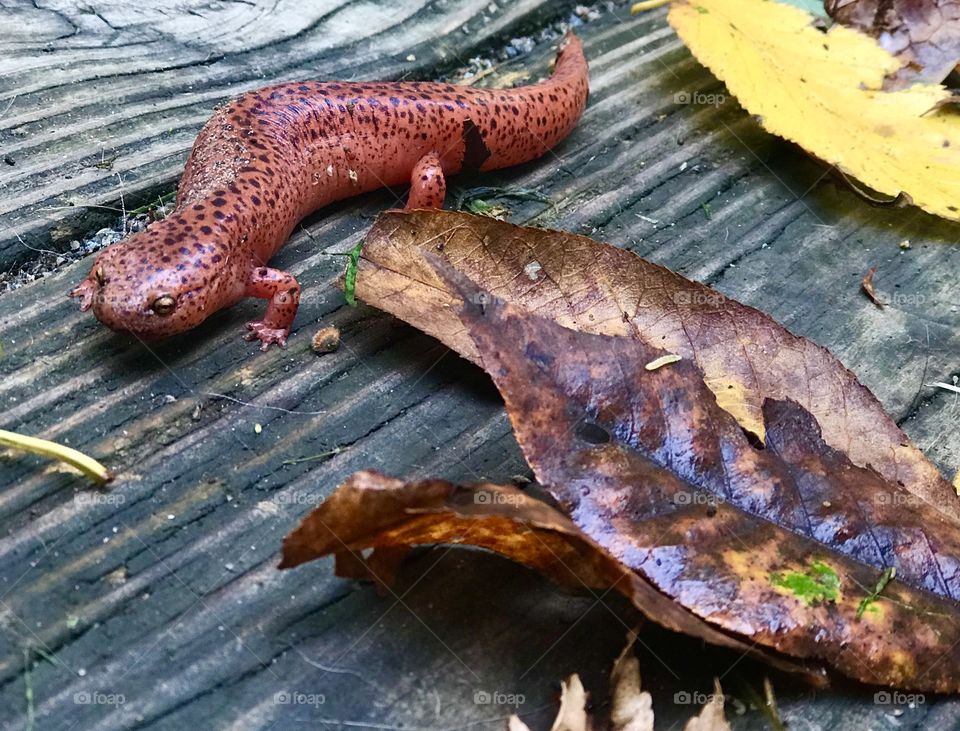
[134, 86]
[185, 615]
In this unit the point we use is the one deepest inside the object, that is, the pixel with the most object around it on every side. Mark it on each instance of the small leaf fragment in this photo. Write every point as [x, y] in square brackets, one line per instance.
[885, 578]
[572, 715]
[350, 276]
[482, 208]
[711, 717]
[662, 361]
[631, 708]
[867, 286]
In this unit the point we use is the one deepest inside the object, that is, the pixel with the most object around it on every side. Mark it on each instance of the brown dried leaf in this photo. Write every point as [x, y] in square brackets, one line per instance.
[745, 356]
[924, 34]
[779, 544]
[372, 511]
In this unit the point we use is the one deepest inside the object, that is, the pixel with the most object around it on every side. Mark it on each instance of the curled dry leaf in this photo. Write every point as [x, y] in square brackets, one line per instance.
[866, 285]
[631, 708]
[711, 717]
[778, 544]
[572, 715]
[745, 356]
[824, 91]
[372, 511]
[923, 34]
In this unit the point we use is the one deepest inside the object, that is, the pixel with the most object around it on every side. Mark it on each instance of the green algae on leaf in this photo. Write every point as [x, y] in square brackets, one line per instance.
[820, 584]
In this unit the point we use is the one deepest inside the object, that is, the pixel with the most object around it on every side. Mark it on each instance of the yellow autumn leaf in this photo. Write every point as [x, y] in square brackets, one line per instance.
[823, 91]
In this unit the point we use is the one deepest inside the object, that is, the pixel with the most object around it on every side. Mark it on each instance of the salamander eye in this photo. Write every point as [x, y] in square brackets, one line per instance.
[101, 279]
[164, 305]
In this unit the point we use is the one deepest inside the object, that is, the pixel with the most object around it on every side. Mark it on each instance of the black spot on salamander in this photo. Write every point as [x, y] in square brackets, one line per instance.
[475, 150]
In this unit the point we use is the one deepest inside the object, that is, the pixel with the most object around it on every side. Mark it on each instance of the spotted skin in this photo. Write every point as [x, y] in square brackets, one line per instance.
[428, 187]
[270, 157]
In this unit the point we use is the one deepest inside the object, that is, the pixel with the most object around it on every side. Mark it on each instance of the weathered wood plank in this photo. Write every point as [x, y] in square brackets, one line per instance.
[185, 616]
[133, 88]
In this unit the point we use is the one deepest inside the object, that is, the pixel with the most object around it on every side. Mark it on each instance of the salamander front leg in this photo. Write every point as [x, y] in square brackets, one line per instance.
[283, 291]
[428, 187]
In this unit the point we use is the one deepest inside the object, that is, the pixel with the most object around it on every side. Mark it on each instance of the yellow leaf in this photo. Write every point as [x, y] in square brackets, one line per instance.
[823, 91]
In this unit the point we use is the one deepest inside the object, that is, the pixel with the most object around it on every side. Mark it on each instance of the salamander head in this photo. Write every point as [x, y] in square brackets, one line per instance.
[160, 282]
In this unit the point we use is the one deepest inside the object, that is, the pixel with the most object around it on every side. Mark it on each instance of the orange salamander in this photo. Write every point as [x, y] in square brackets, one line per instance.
[270, 157]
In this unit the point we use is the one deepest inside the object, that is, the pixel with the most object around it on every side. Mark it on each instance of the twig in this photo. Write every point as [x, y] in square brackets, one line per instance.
[162, 199]
[762, 705]
[322, 455]
[327, 668]
[89, 466]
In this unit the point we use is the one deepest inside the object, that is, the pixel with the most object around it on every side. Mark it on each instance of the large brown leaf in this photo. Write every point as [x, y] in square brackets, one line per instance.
[924, 34]
[778, 544]
[745, 356]
[373, 511]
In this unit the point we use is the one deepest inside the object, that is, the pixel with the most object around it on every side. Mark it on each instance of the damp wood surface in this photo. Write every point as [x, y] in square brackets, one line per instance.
[163, 589]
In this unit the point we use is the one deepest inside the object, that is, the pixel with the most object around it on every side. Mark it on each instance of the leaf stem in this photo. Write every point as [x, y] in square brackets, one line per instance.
[647, 5]
[313, 458]
[89, 466]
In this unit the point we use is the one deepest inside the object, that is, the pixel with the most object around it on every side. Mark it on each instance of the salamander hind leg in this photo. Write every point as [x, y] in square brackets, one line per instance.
[428, 187]
[283, 291]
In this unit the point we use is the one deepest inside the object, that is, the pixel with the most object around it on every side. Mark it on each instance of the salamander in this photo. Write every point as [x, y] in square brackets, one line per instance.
[270, 157]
